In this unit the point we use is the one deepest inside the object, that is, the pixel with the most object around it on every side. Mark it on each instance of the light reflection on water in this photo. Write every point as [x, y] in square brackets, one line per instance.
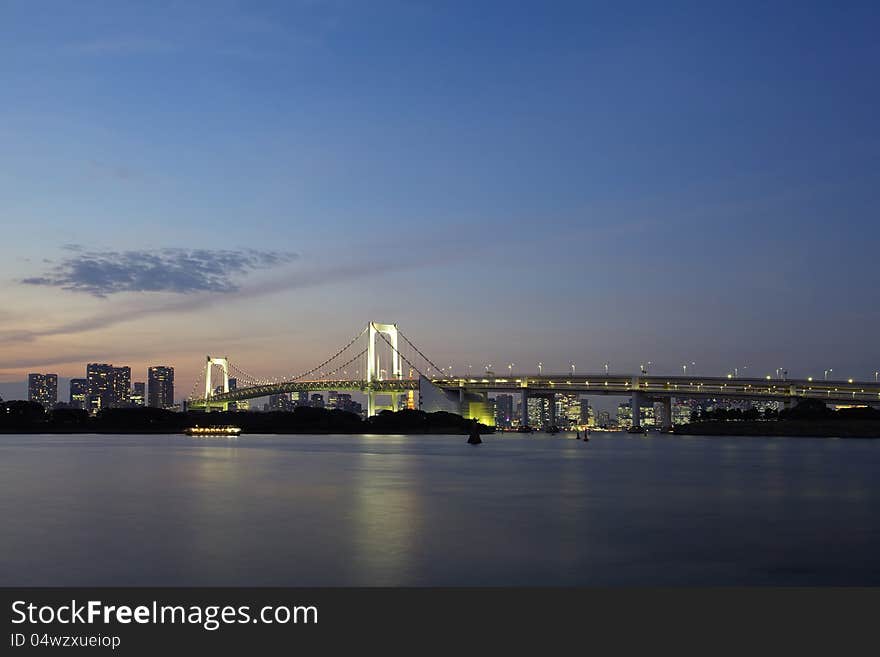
[432, 510]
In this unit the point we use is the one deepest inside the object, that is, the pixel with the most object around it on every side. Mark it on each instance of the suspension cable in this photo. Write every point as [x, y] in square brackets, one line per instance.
[408, 362]
[418, 351]
[346, 363]
[318, 367]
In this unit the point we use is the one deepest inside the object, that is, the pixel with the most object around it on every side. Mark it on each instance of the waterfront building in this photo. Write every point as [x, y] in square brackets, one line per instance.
[138, 393]
[568, 408]
[280, 402]
[100, 378]
[540, 411]
[43, 389]
[160, 386]
[79, 393]
[121, 386]
[504, 411]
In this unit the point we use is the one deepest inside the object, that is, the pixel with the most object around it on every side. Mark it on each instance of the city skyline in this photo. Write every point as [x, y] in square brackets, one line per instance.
[674, 186]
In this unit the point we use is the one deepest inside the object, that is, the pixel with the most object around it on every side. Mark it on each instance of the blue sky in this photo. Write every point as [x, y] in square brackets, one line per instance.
[509, 181]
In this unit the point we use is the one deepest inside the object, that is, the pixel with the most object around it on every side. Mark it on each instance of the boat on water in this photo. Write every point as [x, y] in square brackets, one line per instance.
[225, 430]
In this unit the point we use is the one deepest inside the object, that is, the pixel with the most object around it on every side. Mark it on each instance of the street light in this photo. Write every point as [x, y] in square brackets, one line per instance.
[684, 368]
[644, 367]
[826, 373]
[540, 369]
[571, 365]
[876, 374]
[606, 369]
[510, 369]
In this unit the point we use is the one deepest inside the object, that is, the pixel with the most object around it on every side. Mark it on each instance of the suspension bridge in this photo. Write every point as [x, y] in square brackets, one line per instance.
[384, 364]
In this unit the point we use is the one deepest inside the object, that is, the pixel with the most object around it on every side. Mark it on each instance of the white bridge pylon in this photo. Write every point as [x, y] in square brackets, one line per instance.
[223, 363]
[374, 367]
[377, 369]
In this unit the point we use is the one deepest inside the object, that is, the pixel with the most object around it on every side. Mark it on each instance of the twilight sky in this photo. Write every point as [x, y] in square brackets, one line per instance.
[508, 181]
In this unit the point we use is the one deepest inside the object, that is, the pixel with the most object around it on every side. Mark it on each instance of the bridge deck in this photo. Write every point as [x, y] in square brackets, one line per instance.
[590, 384]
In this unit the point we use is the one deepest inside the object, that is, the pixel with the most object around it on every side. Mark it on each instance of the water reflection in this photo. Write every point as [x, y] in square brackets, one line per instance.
[431, 510]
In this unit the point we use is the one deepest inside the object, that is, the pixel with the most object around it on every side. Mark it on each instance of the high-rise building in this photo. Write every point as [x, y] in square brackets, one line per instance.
[79, 393]
[280, 402]
[139, 393]
[300, 398]
[539, 411]
[503, 410]
[586, 414]
[100, 377]
[624, 415]
[604, 419]
[121, 386]
[344, 402]
[568, 408]
[43, 389]
[160, 386]
[318, 400]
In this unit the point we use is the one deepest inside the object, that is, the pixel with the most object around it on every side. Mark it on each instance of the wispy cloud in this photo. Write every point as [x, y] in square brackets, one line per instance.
[179, 271]
[122, 45]
[305, 278]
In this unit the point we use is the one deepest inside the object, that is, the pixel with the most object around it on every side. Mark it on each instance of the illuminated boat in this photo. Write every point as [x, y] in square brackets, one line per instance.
[212, 431]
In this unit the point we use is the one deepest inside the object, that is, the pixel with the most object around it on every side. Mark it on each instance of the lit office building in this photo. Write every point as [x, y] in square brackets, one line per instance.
[43, 389]
[503, 411]
[586, 418]
[624, 415]
[604, 419]
[121, 386]
[138, 393]
[160, 386]
[682, 410]
[625, 419]
[343, 401]
[79, 393]
[568, 408]
[280, 402]
[540, 411]
[100, 377]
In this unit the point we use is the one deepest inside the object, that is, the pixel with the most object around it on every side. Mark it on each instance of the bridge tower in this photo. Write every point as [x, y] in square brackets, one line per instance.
[374, 369]
[223, 363]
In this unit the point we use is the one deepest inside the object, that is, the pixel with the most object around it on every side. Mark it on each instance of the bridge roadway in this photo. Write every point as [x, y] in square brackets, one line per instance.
[646, 386]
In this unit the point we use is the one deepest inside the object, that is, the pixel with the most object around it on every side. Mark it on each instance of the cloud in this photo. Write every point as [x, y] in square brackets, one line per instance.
[122, 45]
[306, 278]
[179, 271]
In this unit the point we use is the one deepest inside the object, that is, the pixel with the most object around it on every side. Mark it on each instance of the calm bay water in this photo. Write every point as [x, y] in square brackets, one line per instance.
[432, 510]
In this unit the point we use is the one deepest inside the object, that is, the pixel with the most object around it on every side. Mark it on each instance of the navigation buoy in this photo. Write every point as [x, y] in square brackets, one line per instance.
[474, 438]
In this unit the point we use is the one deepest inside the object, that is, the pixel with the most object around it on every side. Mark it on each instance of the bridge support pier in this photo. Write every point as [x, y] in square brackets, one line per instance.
[667, 413]
[636, 406]
[524, 410]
